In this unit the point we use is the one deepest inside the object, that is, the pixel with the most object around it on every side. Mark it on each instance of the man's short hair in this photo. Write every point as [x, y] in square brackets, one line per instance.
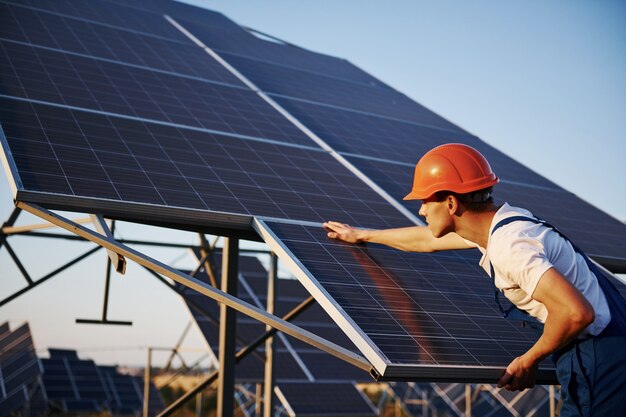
[477, 201]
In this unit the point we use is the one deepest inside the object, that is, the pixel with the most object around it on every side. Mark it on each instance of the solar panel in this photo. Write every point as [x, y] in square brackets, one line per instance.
[19, 369]
[50, 31]
[411, 314]
[81, 156]
[305, 86]
[316, 399]
[77, 385]
[223, 35]
[73, 383]
[86, 83]
[125, 392]
[108, 13]
[591, 229]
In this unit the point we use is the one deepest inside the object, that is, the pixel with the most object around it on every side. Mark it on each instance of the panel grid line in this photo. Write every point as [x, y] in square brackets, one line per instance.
[94, 22]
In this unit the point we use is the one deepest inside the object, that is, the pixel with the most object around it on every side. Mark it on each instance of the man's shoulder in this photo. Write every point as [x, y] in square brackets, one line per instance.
[505, 212]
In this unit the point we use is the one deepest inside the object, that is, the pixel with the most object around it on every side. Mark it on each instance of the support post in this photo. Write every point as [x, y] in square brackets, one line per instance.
[199, 404]
[146, 383]
[468, 400]
[268, 384]
[228, 323]
[552, 401]
[258, 405]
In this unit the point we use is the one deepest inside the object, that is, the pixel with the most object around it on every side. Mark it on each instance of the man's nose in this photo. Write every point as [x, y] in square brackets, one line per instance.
[422, 211]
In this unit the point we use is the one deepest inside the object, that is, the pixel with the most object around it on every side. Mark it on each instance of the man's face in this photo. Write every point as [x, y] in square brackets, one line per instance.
[437, 216]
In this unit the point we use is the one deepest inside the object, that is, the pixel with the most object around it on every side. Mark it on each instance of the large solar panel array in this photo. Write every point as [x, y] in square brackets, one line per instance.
[99, 114]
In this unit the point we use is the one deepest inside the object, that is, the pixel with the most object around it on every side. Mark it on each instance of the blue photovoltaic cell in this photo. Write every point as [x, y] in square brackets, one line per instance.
[320, 88]
[90, 155]
[360, 134]
[417, 308]
[50, 30]
[227, 36]
[109, 13]
[78, 385]
[591, 229]
[19, 369]
[54, 77]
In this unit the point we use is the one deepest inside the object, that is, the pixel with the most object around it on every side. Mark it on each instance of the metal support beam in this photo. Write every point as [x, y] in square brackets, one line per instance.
[228, 329]
[101, 226]
[199, 404]
[258, 397]
[201, 287]
[146, 384]
[268, 383]
[175, 350]
[9, 223]
[50, 275]
[18, 263]
[468, 400]
[17, 230]
[105, 301]
[240, 355]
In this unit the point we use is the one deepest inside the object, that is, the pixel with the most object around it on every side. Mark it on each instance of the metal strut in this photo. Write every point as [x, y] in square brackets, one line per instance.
[254, 312]
[107, 286]
[102, 227]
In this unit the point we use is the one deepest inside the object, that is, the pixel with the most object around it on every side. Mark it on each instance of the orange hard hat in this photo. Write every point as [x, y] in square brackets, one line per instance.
[451, 167]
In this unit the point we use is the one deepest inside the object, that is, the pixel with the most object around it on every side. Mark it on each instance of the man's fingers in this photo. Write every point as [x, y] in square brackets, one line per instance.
[505, 380]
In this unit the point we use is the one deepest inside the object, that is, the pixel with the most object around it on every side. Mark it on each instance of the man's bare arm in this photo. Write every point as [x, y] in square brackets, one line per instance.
[569, 313]
[412, 239]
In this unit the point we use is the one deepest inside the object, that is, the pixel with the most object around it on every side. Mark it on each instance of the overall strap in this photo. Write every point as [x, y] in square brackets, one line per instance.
[616, 303]
[513, 311]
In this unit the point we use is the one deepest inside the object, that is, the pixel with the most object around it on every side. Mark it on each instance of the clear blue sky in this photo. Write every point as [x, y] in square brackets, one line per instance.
[545, 82]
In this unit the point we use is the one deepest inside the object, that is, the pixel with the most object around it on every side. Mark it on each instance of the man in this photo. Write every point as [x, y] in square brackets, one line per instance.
[536, 268]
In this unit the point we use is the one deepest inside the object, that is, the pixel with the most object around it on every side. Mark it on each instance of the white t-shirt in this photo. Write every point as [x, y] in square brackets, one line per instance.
[522, 251]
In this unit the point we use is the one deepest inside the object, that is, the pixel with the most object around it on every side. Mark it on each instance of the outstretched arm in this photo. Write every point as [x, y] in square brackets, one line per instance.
[412, 239]
[569, 313]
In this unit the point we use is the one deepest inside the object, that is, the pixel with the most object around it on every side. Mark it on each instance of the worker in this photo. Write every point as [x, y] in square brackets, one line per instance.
[538, 269]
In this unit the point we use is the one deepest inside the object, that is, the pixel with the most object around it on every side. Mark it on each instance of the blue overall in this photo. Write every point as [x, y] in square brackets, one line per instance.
[592, 370]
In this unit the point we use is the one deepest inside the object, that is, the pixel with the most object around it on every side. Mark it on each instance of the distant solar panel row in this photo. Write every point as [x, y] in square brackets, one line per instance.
[78, 385]
[20, 370]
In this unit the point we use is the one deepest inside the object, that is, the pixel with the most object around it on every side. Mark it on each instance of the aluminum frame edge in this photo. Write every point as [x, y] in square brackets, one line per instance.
[365, 345]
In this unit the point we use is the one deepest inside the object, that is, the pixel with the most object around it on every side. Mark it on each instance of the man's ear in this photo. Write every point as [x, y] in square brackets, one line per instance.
[454, 206]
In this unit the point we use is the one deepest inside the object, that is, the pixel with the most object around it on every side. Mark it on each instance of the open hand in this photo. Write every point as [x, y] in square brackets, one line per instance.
[518, 376]
[342, 231]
